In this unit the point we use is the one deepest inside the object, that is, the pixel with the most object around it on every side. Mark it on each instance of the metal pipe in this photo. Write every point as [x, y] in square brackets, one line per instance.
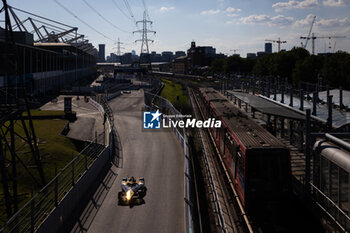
[338, 141]
[307, 150]
[275, 91]
[329, 119]
[291, 97]
[282, 94]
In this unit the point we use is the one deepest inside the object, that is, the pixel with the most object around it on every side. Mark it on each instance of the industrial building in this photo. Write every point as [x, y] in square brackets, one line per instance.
[43, 67]
[101, 53]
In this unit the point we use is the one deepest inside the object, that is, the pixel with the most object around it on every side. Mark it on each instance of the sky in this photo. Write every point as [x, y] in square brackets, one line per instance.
[227, 25]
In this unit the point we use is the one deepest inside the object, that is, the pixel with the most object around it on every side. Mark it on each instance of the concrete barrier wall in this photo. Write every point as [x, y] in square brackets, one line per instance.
[56, 220]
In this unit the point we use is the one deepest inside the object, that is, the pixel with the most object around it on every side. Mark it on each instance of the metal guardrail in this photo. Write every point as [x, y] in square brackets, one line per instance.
[167, 108]
[235, 194]
[330, 208]
[218, 208]
[39, 207]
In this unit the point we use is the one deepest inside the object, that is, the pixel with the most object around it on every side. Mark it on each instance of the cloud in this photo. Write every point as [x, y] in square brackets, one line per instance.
[210, 12]
[281, 21]
[255, 19]
[232, 15]
[231, 9]
[166, 9]
[322, 23]
[229, 22]
[336, 3]
[278, 20]
[292, 4]
[331, 23]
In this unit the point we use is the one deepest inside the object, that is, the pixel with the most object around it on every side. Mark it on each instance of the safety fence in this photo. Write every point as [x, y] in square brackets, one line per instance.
[40, 206]
[37, 210]
[330, 208]
[165, 107]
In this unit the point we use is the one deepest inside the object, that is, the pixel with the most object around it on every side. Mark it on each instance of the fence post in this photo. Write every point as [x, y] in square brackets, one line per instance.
[85, 161]
[32, 214]
[73, 160]
[307, 150]
[301, 96]
[56, 186]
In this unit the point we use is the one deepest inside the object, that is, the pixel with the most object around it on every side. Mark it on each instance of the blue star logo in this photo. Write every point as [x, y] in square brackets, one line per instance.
[151, 120]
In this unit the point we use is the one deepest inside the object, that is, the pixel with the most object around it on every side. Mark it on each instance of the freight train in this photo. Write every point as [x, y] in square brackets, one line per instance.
[258, 163]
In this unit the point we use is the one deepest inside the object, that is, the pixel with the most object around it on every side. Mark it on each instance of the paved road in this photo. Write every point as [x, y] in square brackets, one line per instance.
[89, 120]
[158, 157]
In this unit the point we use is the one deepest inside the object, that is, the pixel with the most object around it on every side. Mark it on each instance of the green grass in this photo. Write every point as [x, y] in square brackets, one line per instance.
[45, 113]
[55, 150]
[176, 94]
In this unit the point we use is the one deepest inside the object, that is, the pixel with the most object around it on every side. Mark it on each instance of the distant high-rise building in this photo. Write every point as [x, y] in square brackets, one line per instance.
[268, 48]
[126, 58]
[133, 52]
[251, 55]
[261, 53]
[101, 52]
[180, 54]
[167, 56]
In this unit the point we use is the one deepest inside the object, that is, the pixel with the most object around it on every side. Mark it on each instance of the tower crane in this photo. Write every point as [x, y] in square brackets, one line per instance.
[234, 50]
[308, 35]
[279, 42]
[313, 38]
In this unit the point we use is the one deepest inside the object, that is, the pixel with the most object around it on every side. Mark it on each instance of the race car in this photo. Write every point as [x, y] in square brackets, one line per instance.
[133, 191]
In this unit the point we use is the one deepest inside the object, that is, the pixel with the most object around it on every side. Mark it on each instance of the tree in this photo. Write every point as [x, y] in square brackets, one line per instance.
[336, 69]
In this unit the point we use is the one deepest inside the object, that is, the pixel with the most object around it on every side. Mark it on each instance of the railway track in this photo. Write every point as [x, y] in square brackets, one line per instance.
[228, 211]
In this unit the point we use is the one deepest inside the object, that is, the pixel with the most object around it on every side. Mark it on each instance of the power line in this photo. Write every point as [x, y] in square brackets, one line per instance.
[120, 9]
[144, 6]
[129, 9]
[82, 21]
[112, 24]
[144, 40]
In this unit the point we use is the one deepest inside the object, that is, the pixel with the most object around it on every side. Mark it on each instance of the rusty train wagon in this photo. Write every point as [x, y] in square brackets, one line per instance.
[258, 163]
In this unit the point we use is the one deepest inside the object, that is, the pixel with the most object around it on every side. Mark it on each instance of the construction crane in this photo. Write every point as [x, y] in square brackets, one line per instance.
[313, 38]
[279, 42]
[234, 50]
[308, 35]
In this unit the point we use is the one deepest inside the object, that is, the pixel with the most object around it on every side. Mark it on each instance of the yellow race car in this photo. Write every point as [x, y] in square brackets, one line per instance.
[133, 191]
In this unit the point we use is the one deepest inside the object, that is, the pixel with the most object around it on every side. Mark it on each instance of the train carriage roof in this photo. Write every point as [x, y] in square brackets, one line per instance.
[249, 132]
